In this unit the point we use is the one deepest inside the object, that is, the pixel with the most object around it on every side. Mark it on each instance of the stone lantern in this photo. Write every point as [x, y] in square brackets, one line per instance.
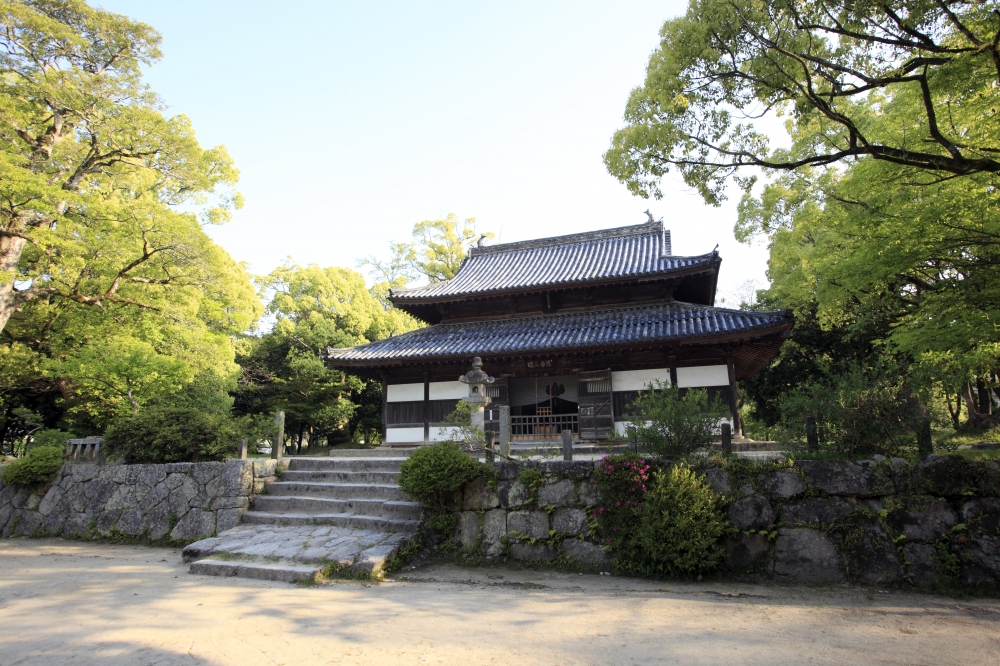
[477, 381]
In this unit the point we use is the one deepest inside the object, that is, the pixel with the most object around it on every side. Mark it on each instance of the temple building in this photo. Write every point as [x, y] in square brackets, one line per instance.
[571, 327]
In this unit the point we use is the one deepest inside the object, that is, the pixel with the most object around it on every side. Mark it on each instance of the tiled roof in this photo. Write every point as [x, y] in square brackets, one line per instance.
[622, 326]
[641, 250]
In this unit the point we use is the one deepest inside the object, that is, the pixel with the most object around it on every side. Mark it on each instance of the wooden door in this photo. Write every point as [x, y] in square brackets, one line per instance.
[596, 418]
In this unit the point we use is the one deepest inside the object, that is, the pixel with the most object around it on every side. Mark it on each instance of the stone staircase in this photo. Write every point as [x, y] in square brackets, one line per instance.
[346, 510]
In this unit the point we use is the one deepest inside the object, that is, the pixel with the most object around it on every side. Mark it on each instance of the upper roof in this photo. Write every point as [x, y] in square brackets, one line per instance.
[613, 327]
[609, 255]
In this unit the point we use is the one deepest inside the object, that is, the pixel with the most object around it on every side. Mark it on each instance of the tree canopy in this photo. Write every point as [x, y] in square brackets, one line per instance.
[112, 296]
[436, 253]
[101, 194]
[315, 308]
[911, 83]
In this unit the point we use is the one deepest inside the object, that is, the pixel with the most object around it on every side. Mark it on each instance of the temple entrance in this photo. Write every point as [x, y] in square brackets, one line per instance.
[597, 420]
[542, 407]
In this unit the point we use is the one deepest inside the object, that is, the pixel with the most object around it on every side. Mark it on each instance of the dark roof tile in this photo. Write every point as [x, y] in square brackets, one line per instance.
[550, 333]
[628, 252]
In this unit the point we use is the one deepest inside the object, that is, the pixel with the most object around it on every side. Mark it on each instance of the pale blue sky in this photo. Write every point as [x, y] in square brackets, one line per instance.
[350, 122]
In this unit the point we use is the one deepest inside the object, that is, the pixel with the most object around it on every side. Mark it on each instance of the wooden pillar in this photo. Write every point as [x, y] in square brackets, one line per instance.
[427, 409]
[385, 410]
[734, 405]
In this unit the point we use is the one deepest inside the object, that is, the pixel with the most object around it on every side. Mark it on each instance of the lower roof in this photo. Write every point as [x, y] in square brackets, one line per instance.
[626, 326]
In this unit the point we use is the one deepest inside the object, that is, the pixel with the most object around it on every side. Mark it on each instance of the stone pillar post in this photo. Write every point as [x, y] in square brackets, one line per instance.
[278, 444]
[505, 430]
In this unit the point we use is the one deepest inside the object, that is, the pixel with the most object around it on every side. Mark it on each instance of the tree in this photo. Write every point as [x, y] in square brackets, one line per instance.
[315, 308]
[670, 421]
[438, 249]
[908, 265]
[913, 84]
[97, 186]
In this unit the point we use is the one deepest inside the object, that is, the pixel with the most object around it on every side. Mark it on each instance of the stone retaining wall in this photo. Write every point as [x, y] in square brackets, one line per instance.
[932, 523]
[182, 502]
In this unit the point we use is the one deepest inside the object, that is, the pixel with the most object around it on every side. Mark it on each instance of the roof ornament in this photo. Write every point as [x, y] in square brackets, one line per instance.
[476, 375]
[650, 216]
[482, 237]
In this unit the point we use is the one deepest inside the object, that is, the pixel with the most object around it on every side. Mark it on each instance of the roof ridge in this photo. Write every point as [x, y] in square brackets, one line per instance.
[572, 239]
[612, 308]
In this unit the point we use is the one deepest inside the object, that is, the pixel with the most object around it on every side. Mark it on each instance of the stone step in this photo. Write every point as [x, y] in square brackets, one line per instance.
[325, 505]
[348, 520]
[375, 478]
[370, 453]
[288, 572]
[382, 491]
[346, 464]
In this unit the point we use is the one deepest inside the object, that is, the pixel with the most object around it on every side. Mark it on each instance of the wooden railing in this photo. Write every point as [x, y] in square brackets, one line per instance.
[542, 427]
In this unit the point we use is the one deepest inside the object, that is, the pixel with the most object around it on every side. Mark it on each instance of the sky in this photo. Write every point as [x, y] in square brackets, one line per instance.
[350, 122]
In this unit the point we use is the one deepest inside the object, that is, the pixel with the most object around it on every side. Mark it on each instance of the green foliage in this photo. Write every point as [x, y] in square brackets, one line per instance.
[316, 308]
[438, 249]
[670, 421]
[681, 526]
[171, 435]
[433, 473]
[532, 478]
[862, 412]
[51, 437]
[442, 523]
[462, 429]
[908, 83]
[37, 466]
[112, 295]
[658, 522]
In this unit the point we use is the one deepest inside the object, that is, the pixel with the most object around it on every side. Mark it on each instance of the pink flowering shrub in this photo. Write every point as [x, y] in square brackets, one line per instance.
[658, 522]
[623, 481]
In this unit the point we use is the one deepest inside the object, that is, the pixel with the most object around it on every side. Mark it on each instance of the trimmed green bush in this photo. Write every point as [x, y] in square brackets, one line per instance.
[432, 473]
[170, 435]
[38, 466]
[658, 522]
[680, 527]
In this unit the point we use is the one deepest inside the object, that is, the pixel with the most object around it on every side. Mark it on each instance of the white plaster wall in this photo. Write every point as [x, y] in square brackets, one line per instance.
[448, 391]
[439, 434]
[405, 393]
[705, 375]
[621, 427]
[638, 380]
[404, 435]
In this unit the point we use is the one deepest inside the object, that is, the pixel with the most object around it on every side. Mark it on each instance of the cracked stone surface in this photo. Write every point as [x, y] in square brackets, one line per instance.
[312, 544]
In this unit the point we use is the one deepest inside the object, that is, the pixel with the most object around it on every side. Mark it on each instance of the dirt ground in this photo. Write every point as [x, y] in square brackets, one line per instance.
[65, 602]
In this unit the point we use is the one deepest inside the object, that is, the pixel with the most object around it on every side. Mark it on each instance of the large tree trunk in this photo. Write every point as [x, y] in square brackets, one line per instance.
[977, 420]
[985, 401]
[10, 256]
[956, 413]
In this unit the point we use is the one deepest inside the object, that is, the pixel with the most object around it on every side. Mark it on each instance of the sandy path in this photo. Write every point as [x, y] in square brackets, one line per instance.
[64, 602]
